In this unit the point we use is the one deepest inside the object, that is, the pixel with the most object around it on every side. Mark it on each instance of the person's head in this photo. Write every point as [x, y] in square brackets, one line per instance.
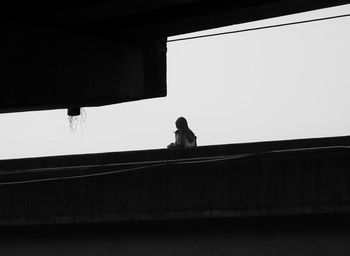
[181, 123]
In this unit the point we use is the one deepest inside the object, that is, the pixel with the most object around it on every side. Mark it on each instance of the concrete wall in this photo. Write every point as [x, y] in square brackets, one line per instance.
[272, 198]
[249, 237]
[265, 183]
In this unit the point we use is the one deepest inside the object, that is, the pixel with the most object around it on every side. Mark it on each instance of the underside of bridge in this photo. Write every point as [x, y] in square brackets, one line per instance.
[70, 54]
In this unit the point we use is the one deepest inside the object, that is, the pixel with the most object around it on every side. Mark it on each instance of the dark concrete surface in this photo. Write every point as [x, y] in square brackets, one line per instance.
[72, 54]
[156, 18]
[55, 68]
[324, 235]
[297, 177]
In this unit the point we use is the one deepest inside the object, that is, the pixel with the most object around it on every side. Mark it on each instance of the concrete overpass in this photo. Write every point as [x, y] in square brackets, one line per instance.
[268, 198]
[72, 54]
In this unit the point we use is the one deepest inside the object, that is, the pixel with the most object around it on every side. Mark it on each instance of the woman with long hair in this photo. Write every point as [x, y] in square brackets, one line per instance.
[184, 137]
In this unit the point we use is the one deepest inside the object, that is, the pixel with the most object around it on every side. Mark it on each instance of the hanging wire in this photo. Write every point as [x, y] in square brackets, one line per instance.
[144, 163]
[258, 28]
[160, 163]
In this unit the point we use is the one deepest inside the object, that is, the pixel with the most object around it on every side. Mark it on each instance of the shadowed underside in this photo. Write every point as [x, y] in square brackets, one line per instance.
[157, 18]
[65, 54]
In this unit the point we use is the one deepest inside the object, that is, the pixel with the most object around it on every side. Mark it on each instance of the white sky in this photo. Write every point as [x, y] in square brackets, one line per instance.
[274, 84]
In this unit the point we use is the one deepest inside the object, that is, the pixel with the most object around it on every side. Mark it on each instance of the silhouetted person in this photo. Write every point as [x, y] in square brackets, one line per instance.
[184, 137]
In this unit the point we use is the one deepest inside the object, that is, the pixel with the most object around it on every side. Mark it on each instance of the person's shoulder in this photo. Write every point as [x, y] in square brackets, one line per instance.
[179, 132]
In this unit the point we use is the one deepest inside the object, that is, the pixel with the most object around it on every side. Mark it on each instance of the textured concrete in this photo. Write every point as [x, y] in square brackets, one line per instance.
[258, 179]
[269, 198]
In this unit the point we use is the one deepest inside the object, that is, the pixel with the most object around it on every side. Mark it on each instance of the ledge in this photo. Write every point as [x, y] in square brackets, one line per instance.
[296, 177]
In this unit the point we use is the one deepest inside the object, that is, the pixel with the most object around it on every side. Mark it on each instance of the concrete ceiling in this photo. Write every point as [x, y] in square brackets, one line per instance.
[71, 54]
[155, 18]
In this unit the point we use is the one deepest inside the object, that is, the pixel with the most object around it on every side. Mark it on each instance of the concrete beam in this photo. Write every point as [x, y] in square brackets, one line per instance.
[247, 181]
[50, 68]
[193, 16]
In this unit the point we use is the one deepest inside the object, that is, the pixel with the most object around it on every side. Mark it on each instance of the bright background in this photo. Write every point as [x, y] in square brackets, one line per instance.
[273, 84]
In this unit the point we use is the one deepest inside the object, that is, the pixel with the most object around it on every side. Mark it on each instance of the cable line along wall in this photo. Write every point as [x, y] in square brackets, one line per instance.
[258, 28]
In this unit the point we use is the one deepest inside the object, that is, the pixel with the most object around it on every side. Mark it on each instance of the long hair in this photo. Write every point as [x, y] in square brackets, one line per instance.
[182, 126]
